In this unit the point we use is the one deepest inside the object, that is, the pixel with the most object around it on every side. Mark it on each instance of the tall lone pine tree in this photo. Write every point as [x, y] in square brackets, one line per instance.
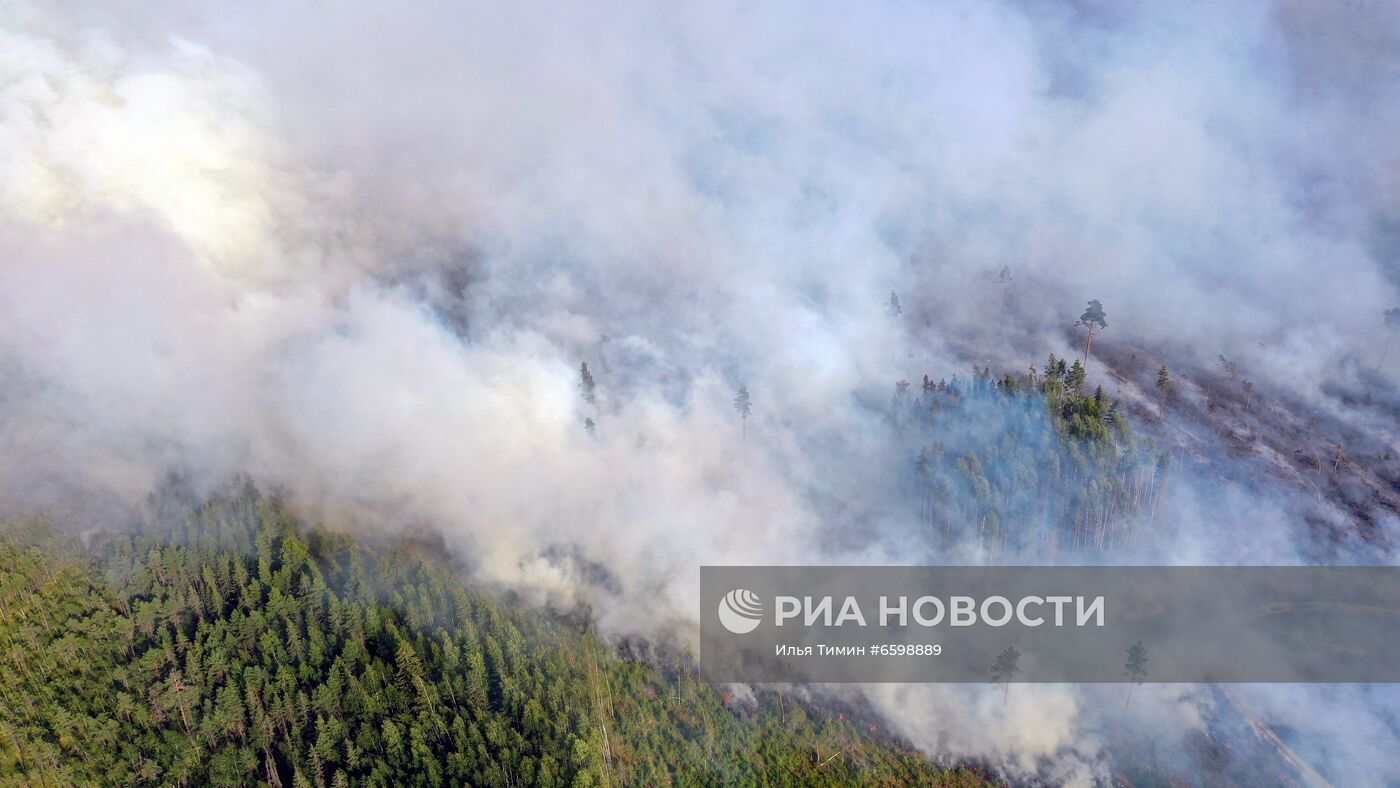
[1092, 318]
[1004, 670]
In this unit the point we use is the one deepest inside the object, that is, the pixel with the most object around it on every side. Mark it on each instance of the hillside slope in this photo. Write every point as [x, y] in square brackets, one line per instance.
[237, 646]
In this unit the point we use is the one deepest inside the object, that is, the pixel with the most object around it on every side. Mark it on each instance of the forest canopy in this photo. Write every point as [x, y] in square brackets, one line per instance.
[236, 645]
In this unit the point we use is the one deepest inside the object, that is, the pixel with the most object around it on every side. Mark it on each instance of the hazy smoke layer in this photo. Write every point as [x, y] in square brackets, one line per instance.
[360, 251]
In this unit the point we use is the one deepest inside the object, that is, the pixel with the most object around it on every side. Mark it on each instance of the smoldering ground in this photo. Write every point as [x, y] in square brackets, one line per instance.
[360, 255]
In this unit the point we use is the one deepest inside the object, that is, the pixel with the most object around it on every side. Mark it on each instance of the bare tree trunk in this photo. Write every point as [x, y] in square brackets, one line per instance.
[270, 767]
[1087, 344]
[19, 751]
[833, 755]
[1005, 298]
[602, 713]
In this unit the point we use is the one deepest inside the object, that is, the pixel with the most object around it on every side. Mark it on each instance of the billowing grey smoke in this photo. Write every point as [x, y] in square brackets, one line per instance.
[360, 252]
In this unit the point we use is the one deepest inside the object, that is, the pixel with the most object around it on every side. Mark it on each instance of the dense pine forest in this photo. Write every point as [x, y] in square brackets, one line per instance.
[226, 642]
[1028, 462]
[234, 645]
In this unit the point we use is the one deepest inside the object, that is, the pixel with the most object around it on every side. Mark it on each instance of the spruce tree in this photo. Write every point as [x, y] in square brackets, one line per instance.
[744, 406]
[1135, 668]
[586, 386]
[892, 308]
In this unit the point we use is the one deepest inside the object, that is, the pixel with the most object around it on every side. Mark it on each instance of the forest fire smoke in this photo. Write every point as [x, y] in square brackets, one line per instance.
[228, 248]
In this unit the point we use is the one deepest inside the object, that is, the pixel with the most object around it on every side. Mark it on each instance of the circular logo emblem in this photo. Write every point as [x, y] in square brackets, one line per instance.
[740, 611]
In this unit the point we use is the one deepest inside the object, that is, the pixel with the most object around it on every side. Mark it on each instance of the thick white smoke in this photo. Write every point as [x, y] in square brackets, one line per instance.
[360, 252]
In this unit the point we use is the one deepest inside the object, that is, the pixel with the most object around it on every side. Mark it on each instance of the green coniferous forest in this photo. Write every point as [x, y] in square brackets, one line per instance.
[234, 645]
[1031, 462]
[451, 339]
[226, 642]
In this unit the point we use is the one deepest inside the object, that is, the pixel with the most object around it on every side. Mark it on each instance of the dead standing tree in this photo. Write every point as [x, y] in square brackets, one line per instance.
[1004, 279]
[1391, 319]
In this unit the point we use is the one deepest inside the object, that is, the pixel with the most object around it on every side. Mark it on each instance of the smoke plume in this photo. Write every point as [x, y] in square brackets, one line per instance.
[358, 253]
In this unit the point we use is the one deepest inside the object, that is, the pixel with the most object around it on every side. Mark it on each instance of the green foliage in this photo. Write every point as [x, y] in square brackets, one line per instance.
[1094, 316]
[1030, 462]
[236, 647]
